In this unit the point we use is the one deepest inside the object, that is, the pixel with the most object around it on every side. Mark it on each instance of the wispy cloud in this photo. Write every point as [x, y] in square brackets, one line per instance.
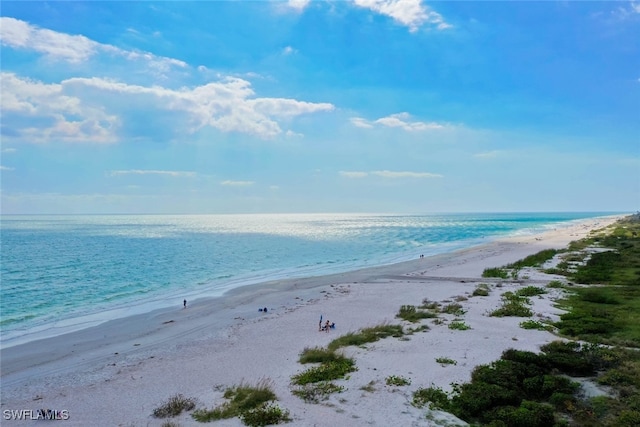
[152, 172]
[389, 174]
[19, 34]
[410, 13]
[6, 168]
[400, 120]
[9, 150]
[231, 183]
[488, 154]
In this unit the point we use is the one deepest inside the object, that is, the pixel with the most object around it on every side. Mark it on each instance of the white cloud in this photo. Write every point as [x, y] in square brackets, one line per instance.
[236, 183]
[66, 118]
[19, 34]
[152, 172]
[389, 174]
[410, 13]
[361, 123]
[6, 168]
[399, 120]
[9, 150]
[228, 105]
[488, 154]
[354, 174]
[288, 50]
[405, 174]
[298, 5]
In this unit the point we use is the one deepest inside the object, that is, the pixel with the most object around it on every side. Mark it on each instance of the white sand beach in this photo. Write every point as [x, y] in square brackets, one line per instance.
[116, 373]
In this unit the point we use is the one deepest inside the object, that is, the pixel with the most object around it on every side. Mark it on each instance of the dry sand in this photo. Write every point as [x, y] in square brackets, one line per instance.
[116, 373]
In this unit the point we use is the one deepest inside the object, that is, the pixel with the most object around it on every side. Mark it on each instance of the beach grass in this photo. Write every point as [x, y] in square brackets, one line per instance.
[174, 406]
[252, 404]
[367, 335]
[413, 314]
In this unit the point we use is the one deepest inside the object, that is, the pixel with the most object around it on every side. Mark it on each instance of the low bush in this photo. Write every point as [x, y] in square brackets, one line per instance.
[397, 380]
[446, 361]
[367, 335]
[327, 371]
[496, 272]
[530, 291]
[459, 325]
[241, 398]
[411, 314]
[265, 414]
[316, 392]
[432, 397]
[453, 308]
[534, 324]
[481, 291]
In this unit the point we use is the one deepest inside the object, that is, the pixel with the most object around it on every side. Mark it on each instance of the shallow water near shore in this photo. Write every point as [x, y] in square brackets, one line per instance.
[76, 271]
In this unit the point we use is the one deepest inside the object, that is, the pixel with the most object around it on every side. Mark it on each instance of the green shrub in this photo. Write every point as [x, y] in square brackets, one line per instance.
[241, 399]
[433, 396]
[495, 272]
[328, 371]
[316, 392]
[174, 406]
[446, 361]
[318, 355]
[534, 324]
[481, 291]
[366, 335]
[397, 380]
[264, 415]
[530, 291]
[534, 260]
[411, 314]
[555, 284]
[459, 325]
[453, 308]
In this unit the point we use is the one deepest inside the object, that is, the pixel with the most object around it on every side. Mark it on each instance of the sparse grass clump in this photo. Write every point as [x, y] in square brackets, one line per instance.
[555, 284]
[459, 325]
[317, 392]
[367, 335]
[265, 414]
[430, 305]
[432, 397]
[411, 314]
[481, 291]
[397, 380]
[534, 260]
[327, 371]
[240, 400]
[512, 305]
[500, 273]
[530, 291]
[453, 308]
[174, 406]
[534, 324]
[446, 361]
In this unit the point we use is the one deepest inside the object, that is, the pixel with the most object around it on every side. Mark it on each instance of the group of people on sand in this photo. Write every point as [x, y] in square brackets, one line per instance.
[327, 325]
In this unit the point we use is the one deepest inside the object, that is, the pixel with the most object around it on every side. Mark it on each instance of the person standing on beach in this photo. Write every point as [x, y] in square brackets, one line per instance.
[184, 304]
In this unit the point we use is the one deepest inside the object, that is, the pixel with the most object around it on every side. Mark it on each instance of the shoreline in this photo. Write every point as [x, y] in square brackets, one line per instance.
[158, 303]
[213, 333]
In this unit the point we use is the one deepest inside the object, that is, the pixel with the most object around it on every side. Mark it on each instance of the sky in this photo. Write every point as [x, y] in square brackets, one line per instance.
[377, 106]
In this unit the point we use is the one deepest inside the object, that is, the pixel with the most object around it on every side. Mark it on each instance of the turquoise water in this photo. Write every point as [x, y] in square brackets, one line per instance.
[73, 270]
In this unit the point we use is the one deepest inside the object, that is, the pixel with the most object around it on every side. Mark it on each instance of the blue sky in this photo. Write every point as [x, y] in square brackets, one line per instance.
[393, 106]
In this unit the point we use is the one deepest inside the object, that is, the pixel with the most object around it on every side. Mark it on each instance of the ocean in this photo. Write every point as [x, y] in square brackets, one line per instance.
[65, 272]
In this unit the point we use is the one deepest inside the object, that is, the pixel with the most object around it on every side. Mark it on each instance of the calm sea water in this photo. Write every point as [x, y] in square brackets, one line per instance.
[62, 272]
